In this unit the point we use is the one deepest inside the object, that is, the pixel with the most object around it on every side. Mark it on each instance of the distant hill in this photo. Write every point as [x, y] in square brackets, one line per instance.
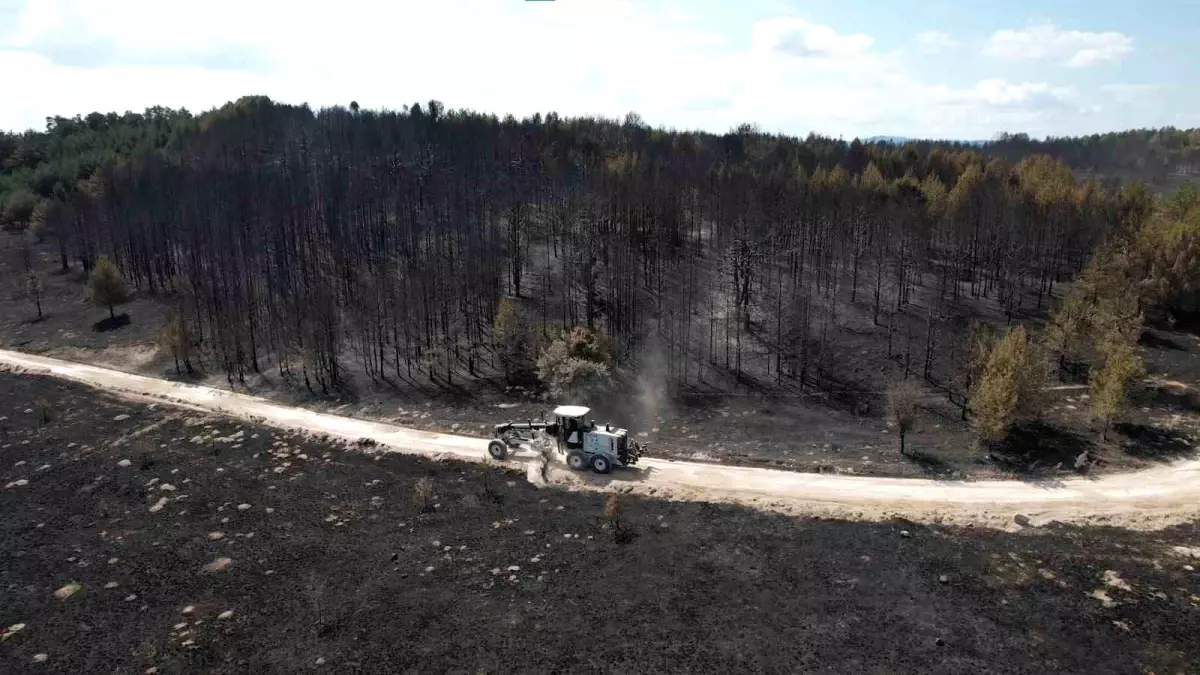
[901, 140]
[898, 140]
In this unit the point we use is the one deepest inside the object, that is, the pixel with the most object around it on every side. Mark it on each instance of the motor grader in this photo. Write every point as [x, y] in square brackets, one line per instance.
[585, 443]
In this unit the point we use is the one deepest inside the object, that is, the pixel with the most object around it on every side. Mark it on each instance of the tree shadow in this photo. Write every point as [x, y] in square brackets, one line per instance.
[1154, 341]
[1154, 443]
[1036, 451]
[196, 376]
[629, 474]
[1167, 397]
[443, 392]
[935, 467]
[1072, 371]
[1179, 322]
[112, 323]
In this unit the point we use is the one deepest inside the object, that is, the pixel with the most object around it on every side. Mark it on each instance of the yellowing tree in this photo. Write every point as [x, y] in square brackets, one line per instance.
[1110, 384]
[1009, 387]
[970, 360]
[508, 336]
[1115, 321]
[1067, 331]
[175, 338]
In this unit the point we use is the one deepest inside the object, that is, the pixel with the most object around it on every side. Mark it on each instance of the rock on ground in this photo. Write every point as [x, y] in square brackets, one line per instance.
[218, 565]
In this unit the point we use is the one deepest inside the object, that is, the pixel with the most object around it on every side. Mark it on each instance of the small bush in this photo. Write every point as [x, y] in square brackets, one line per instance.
[612, 510]
[903, 400]
[621, 532]
[107, 286]
[488, 490]
[43, 407]
[423, 494]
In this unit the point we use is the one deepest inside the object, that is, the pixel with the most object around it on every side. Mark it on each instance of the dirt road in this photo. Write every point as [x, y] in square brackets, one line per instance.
[1148, 499]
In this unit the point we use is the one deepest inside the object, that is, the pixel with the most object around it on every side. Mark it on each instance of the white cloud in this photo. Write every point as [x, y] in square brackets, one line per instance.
[1003, 94]
[804, 39]
[1046, 42]
[575, 57]
[1126, 92]
[935, 42]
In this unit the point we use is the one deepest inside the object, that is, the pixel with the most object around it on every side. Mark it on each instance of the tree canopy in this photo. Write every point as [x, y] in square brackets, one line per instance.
[301, 236]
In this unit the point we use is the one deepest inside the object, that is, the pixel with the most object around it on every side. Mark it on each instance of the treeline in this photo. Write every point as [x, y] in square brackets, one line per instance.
[293, 239]
[1139, 154]
[37, 167]
[1143, 155]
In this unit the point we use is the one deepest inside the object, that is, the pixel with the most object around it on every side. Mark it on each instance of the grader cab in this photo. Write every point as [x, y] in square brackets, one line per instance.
[585, 443]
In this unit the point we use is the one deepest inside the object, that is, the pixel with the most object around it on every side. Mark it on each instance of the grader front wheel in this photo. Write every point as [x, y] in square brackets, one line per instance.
[600, 464]
[498, 450]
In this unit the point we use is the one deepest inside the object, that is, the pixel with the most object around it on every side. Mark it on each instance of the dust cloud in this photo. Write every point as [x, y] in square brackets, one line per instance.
[651, 388]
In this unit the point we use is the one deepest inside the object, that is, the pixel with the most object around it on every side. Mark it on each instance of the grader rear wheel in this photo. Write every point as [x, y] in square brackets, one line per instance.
[577, 460]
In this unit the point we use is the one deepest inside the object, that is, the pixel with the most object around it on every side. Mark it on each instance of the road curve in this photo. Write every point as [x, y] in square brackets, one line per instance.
[1148, 499]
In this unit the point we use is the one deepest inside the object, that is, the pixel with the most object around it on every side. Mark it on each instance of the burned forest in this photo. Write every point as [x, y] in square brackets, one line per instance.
[326, 244]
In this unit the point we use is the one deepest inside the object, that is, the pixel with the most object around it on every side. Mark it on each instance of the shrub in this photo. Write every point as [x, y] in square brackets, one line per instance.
[107, 285]
[622, 533]
[566, 375]
[589, 345]
[612, 510]
[423, 494]
[43, 407]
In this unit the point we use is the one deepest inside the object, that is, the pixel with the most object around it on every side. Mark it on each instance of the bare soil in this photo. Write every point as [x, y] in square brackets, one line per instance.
[722, 421]
[332, 566]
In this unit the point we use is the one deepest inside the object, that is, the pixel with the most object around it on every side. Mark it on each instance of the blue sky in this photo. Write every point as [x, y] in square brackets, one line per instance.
[934, 68]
